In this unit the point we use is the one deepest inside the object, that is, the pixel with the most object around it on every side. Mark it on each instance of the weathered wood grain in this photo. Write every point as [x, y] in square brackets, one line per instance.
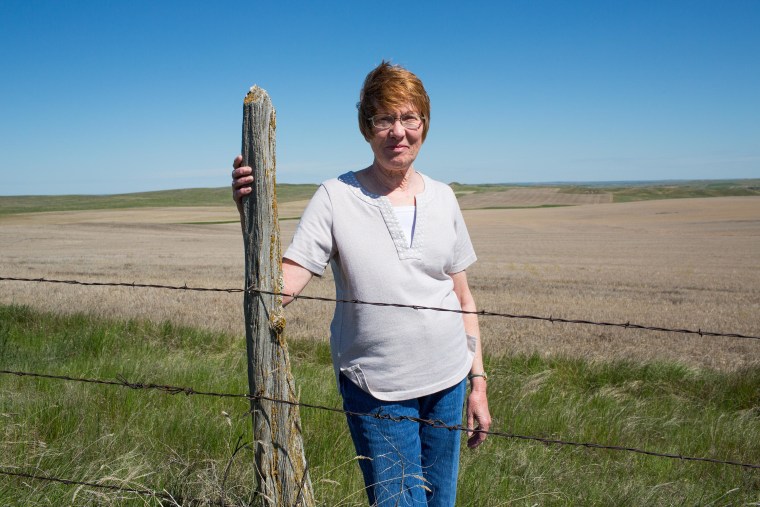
[280, 460]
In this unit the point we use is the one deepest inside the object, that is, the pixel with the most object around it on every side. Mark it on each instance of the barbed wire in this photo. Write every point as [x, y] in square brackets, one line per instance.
[177, 500]
[170, 389]
[484, 313]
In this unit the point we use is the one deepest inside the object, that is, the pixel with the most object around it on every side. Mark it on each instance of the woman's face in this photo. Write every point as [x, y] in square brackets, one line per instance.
[396, 148]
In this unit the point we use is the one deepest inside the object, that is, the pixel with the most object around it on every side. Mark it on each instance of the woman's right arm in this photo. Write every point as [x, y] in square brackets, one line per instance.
[294, 276]
[294, 279]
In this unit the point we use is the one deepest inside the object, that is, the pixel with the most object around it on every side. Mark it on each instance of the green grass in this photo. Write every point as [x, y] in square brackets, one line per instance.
[528, 207]
[624, 192]
[163, 198]
[647, 191]
[183, 444]
[464, 188]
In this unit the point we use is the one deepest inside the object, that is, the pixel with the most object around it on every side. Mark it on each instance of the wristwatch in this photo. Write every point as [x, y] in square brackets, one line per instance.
[473, 375]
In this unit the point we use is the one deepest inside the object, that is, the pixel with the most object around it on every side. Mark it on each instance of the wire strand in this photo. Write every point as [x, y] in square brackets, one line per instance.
[484, 313]
[170, 389]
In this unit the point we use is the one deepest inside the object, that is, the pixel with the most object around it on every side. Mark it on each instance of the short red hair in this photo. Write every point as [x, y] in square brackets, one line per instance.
[388, 87]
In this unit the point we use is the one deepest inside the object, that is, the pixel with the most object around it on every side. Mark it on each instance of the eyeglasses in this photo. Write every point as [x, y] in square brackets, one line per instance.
[410, 121]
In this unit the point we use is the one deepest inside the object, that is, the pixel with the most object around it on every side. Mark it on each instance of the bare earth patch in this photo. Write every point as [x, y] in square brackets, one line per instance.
[529, 197]
[688, 263]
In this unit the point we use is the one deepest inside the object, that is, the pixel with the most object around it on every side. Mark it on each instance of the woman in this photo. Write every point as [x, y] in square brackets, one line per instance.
[395, 235]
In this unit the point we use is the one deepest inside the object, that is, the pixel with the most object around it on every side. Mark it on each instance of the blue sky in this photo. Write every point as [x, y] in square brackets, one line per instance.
[101, 97]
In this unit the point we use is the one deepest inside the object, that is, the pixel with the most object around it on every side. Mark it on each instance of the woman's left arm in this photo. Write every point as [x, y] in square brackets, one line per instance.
[477, 401]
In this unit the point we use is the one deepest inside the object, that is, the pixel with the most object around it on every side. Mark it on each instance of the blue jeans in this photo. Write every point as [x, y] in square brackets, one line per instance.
[409, 463]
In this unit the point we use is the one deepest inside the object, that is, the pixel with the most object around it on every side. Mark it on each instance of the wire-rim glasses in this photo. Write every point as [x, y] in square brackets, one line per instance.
[410, 121]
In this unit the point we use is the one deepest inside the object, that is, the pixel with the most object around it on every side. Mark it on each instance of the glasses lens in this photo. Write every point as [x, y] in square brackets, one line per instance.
[411, 121]
[382, 121]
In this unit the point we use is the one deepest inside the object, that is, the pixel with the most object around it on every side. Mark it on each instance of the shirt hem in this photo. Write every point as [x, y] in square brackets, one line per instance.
[420, 391]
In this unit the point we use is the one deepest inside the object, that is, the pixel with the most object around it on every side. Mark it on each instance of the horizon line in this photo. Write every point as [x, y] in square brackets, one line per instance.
[594, 183]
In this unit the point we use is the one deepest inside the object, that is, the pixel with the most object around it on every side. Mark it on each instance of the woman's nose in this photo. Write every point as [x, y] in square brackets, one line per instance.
[397, 130]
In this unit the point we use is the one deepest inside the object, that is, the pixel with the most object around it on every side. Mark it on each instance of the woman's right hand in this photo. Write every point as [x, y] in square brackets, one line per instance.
[242, 177]
[294, 276]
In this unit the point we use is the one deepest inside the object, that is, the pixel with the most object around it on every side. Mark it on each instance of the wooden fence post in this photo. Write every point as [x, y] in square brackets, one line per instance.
[283, 478]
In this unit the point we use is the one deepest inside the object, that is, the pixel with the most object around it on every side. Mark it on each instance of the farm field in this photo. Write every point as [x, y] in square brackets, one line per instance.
[681, 263]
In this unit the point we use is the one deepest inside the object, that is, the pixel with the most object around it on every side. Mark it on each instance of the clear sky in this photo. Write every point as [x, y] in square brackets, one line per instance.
[103, 97]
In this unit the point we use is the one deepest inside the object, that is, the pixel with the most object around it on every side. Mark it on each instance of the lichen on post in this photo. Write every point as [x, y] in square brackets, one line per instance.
[283, 478]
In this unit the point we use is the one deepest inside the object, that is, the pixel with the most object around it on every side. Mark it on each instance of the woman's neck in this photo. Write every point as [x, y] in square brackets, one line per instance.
[399, 186]
[390, 180]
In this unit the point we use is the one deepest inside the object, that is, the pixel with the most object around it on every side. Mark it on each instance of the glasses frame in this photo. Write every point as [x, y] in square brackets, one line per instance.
[396, 119]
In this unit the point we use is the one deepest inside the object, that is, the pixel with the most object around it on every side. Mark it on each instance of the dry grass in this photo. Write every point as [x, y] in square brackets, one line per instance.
[680, 263]
[689, 263]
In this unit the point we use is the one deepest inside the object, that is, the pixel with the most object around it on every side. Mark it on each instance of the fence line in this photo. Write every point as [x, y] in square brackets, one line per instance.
[145, 492]
[169, 389]
[484, 313]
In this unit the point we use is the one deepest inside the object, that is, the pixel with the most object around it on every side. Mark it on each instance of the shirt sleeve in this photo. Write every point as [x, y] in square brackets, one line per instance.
[313, 243]
[464, 253]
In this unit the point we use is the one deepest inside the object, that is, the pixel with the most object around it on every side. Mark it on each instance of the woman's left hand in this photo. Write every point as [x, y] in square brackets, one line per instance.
[477, 411]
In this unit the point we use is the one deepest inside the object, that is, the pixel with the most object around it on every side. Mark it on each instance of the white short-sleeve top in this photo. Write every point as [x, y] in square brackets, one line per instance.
[392, 353]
